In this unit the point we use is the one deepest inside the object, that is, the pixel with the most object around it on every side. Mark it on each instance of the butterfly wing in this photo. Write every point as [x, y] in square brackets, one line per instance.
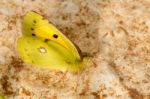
[52, 55]
[34, 24]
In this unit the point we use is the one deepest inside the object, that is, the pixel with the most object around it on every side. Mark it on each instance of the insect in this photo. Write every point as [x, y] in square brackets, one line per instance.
[43, 45]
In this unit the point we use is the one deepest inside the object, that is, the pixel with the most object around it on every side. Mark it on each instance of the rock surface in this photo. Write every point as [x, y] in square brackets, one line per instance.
[115, 32]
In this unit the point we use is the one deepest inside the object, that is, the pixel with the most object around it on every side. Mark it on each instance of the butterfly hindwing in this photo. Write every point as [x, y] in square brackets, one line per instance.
[36, 52]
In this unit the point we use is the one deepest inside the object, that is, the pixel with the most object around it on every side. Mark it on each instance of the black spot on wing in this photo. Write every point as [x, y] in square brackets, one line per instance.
[46, 40]
[55, 35]
[33, 34]
[32, 29]
[34, 21]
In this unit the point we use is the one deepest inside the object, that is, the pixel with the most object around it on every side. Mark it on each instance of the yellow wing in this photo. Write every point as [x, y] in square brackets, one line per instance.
[36, 52]
[35, 25]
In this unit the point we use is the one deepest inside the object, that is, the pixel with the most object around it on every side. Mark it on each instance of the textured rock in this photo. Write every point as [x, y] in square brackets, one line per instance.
[114, 32]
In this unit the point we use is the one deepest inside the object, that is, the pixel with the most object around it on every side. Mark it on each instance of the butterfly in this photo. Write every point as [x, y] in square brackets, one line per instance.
[43, 45]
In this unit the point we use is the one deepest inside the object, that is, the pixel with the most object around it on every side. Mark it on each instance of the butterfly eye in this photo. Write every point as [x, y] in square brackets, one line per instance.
[55, 35]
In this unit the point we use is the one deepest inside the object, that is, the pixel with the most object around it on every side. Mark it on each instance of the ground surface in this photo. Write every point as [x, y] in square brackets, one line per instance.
[115, 32]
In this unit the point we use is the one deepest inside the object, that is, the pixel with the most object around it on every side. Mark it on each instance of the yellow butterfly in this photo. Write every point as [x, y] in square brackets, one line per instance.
[45, 46]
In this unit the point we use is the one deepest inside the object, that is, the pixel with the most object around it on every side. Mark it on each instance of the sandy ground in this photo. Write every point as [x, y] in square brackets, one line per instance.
[115, 32]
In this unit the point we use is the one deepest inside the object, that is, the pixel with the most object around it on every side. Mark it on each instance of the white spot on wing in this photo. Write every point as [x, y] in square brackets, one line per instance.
[42, 50]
